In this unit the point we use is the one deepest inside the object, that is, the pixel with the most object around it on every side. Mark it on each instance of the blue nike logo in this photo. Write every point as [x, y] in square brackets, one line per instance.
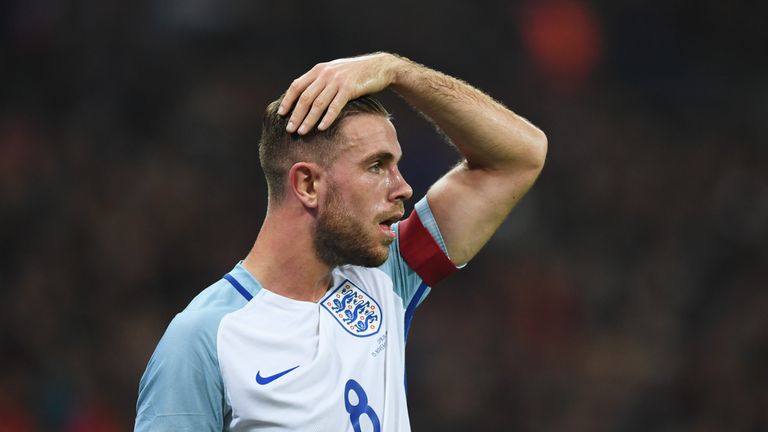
[268, 379]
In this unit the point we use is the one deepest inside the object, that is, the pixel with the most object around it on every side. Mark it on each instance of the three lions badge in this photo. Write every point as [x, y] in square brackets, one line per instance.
[354, 309]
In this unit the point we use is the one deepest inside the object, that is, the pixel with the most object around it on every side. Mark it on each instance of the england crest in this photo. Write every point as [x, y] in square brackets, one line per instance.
[354, 309]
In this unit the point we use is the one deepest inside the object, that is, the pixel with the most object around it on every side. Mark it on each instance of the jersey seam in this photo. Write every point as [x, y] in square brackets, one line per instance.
[224, 387]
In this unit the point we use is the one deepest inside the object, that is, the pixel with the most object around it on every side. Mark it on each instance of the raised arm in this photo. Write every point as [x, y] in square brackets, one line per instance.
[503, 152]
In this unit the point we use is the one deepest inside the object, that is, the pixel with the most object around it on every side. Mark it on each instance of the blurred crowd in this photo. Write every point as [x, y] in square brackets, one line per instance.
[627, 292]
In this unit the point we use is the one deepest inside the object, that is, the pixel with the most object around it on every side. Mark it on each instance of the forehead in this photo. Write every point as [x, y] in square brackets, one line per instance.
[368, 134]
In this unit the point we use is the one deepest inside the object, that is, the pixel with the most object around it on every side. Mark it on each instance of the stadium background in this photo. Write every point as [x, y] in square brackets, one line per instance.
[626, 293]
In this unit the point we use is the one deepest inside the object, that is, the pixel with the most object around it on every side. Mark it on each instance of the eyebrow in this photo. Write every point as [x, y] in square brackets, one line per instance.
[384, 156]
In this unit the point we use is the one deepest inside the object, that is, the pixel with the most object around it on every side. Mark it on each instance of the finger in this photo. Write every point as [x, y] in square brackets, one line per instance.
[295, 90]
[334, 108]
[304, 104]
[319, 105]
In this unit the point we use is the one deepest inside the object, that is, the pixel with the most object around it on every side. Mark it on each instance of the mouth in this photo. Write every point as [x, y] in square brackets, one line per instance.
[386, 224]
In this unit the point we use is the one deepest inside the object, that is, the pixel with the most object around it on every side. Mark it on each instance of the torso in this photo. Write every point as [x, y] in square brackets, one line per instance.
[293, 365]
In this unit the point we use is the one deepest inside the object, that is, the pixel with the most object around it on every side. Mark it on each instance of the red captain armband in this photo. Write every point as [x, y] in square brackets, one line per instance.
[421, 251]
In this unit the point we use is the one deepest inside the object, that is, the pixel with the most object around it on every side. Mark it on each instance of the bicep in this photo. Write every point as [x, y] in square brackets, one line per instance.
[469, 205]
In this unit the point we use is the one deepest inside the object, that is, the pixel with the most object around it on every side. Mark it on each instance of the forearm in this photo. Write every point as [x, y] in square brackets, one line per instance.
[504, 152]
[504, 155]
[490, 136]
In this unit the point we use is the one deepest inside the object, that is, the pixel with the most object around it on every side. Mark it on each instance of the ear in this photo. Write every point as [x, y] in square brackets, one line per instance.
[304, 179]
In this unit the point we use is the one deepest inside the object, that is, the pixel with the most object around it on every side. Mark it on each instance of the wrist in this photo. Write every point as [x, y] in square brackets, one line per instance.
[401, 70]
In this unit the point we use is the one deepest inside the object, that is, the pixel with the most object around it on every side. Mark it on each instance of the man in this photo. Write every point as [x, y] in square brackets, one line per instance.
[308, 332]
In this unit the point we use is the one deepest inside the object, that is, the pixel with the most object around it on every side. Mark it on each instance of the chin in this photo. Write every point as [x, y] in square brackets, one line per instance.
[381, 258]
[376, 256]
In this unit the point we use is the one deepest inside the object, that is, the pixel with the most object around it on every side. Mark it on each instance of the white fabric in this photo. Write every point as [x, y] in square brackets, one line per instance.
[272, 334]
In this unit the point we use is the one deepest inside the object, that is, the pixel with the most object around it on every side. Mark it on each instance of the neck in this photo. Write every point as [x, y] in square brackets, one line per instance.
[283, 259]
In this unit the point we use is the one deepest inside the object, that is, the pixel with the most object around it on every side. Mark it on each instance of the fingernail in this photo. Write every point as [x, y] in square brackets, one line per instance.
[321, 126]
[302, 130]
[289, 128]
[280, 110]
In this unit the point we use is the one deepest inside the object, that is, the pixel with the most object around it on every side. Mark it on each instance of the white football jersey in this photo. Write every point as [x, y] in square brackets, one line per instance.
[242, 358]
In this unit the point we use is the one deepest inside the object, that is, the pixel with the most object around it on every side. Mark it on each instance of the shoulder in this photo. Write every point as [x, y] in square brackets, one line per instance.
[182, 381]
[195, 328]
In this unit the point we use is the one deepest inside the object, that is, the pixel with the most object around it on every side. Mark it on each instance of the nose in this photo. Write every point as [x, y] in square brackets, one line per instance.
[400, 190]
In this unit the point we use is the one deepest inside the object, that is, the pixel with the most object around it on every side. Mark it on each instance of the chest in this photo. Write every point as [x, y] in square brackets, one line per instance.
[290, 365]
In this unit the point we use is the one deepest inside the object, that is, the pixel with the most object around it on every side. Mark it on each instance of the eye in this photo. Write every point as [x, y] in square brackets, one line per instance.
[375, 167]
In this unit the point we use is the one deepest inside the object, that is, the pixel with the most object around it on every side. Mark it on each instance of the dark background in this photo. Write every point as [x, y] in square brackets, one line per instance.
[627, 292]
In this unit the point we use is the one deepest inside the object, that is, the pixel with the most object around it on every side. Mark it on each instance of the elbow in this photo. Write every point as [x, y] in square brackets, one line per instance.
[537, 150]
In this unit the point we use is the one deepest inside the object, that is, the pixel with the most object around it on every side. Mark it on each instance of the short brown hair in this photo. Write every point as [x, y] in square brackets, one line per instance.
[279, 150]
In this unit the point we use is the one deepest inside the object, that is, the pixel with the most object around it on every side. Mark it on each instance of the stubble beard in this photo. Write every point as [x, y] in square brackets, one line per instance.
[339, 239]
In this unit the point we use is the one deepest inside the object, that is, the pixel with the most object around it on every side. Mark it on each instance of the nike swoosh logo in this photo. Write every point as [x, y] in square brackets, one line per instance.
[268, 379]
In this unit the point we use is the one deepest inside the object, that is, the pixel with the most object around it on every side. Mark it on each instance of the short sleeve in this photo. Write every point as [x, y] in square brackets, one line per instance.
[182, 388]
[417, 258]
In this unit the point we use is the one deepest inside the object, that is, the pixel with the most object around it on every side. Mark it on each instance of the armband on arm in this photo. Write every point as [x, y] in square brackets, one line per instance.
[422, 253]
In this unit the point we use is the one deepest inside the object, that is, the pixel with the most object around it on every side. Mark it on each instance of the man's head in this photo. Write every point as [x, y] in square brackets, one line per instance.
[279, 150]
[346, 177]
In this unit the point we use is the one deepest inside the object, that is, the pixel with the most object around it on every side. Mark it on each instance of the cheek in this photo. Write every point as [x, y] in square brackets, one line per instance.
[367, 195]
[383, 183]
[370, 188]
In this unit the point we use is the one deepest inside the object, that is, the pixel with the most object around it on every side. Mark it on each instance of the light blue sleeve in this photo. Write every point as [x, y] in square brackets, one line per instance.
[407, 284]
[182, 388]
